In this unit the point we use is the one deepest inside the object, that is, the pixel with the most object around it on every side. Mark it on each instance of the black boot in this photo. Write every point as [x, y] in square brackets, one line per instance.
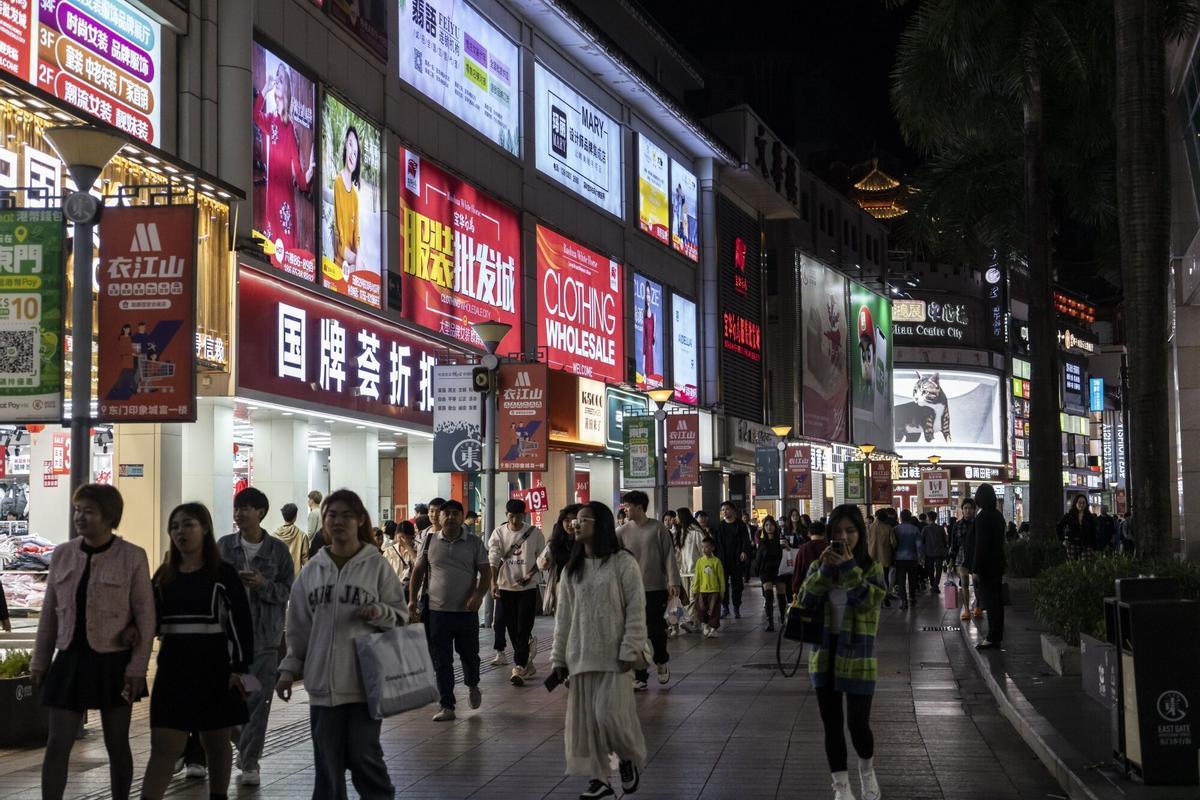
[782, 610]
[769, 597]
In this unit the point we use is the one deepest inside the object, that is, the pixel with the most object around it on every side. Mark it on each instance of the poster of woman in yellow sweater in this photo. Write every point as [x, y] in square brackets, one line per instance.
[350, 215]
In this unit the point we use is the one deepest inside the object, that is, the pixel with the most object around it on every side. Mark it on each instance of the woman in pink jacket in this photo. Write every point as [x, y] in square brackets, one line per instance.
[99, 602]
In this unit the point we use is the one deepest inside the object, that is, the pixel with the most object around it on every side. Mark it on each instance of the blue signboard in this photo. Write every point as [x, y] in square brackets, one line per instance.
[1096, 394]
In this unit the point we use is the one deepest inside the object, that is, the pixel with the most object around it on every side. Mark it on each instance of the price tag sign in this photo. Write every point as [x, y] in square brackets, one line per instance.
[537, 500]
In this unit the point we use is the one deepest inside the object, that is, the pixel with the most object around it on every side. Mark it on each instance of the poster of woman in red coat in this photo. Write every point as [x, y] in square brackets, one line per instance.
[284, 160]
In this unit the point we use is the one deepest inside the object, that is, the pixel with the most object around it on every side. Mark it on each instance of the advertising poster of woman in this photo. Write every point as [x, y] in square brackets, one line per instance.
[284, 162]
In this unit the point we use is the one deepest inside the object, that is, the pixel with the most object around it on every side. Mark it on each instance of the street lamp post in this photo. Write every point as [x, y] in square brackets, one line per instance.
[660, 397]
[491, 333]
[867, 449]
[85, 151]
[782, 431]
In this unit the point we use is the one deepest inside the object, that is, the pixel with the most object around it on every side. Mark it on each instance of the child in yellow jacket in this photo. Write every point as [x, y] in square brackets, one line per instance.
[708, 586]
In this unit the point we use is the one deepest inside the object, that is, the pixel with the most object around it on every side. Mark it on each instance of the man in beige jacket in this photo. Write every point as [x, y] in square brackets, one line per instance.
[881, 544]
[295, 539]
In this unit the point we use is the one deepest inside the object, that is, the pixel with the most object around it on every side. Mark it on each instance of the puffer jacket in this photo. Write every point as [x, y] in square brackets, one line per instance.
[910, 545]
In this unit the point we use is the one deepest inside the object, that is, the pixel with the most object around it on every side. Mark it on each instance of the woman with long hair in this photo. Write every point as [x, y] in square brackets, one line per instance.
[1077, 529]
[557, 553]
[347, 238]
[99, 615]
[206, 650]
[845, 589]
[767, 562]
[687, 553]
[346, 591]
[599, 633]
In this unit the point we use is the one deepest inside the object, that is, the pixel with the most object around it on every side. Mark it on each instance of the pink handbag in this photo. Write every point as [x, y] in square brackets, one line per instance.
[949, 596]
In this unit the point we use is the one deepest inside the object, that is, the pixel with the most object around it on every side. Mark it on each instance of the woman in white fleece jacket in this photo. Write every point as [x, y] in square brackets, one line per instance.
[599, 632]
[347, 590]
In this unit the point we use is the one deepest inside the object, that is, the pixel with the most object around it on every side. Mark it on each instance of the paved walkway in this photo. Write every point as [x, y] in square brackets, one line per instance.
[727, 726]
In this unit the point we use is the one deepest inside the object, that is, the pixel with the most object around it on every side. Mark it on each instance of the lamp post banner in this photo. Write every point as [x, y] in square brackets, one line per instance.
[797, 470]
[146, 315]
[640, 464]
[457, 430]
[521, 423]
[856, 482]
[881, 482]
[683, 449]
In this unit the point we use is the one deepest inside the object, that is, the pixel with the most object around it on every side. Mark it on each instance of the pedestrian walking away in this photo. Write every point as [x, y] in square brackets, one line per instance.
[809, 552]
[881, 545]
[205, 654]
[103, 655]
[512, 550]
[599, 633]
[650, 543]
[733, 548]
[296, 540]
[348, 590]
[910, 557]
[845, 589]
[936, 549]
[265, 566]
[986, 562]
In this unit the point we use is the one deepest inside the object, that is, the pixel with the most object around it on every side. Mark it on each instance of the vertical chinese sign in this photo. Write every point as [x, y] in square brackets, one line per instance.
[31, 315]
[639, 468]
[881, 482]
[683, 450]
[146, 315]
[797, 472]
[457, 428]
[521, 421]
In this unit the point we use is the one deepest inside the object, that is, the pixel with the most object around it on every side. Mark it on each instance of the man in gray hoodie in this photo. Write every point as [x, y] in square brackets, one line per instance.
[650, 542]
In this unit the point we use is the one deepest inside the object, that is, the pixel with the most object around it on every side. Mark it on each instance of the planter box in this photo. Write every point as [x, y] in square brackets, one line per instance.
[26, 720]
[1060, 656]
[1098, 664]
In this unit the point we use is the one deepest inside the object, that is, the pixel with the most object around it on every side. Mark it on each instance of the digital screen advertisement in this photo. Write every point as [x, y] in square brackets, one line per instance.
[653, 215]
[461, 255]
[462, 62]
[685, 211]
[825, 347]
[955, 414]
[685, 372]
[581, 316]
[351, 204]
[870, 366]
[284, 161]
[578, 145]
[647, 333]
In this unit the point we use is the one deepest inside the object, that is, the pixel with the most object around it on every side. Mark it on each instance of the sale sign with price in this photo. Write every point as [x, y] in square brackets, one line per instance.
[31, 315]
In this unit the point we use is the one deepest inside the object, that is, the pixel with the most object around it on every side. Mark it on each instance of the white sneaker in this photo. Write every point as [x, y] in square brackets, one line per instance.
[639, 686]
[499, 659]
[195, 771]
[664, 673]
[249, 777]
[712, 633]
[870, 785]
[841, 786]
[530, 669]
[518, 676]
[445, 715]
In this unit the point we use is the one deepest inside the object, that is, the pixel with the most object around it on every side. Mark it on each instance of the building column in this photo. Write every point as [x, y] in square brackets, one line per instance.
[318, 471]
[152, 457]
[605, 480]
[280, 466]
[208, 460]
[424, 484]
[710, 276]
[559, 480]
[354, 465]
[712, 491]
[1186, 369]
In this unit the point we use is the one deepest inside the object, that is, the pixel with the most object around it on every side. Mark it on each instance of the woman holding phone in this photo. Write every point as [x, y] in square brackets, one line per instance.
[845, 589]
[102, 656]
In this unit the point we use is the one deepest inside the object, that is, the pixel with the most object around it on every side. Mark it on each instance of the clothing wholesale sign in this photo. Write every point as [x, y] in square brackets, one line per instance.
[457, 420]
[146, 315]
[302, 346]
[653, 214]
[31, 315]
[683, 449]
[647, 333]
[685, 372]
[522, 428]
[461, 255]
[766, 471]
[578, 145]
[462, 62]
[580, 292]
[639, 467]
[797, 472]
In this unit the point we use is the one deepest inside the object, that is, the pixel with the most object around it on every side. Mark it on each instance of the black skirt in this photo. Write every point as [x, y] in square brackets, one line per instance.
[80, 679]
[191, 686]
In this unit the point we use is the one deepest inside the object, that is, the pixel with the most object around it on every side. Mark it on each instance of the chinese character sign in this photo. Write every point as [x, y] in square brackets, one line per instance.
[368, 19]
[685, 212]
[652, 189]
[299, 345]
[797, 472]
[578, 145]
[935, 485]
[683, 449]
[284, 162]
[15, 38]
[856, 482]
[881, 482]
[639, 467]
[522, 426]
[146, 315]
[461, 254]
[351, 204]
[685, 372]
[31, 317]
[457, 428]
[581, 322]
[647, 333]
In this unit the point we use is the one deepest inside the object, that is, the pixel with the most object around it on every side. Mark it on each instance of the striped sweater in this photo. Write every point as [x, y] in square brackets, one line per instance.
[855, 668]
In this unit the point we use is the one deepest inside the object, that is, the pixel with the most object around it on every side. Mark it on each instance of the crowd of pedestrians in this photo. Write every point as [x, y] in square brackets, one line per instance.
[241, 618]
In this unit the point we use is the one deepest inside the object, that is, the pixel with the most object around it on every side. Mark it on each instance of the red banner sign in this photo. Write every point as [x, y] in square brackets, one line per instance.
[583, 487]
[297, 345]
[60, 454]
[521, 425]
[881, 482]
[537, 499]
[797, 472]
[581, 324]
[683, 449]
[462, 255]
[146, 314]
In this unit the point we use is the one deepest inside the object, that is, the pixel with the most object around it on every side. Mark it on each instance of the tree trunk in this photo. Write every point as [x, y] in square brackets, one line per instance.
[1045, 504]
[1143, 204]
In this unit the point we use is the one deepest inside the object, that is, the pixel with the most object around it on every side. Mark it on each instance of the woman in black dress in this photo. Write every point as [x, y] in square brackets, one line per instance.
[206, 648]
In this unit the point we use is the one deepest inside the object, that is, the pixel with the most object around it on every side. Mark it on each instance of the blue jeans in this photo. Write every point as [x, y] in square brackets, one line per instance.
[450, 632]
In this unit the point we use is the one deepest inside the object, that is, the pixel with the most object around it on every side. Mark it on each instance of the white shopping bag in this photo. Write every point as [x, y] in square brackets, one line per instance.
[396, 669]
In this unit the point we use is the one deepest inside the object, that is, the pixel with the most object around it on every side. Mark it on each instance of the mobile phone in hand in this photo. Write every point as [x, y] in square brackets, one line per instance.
[839, 547]
[552, 680]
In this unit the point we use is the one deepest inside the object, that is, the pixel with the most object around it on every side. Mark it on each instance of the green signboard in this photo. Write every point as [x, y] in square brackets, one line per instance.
[871, 368]
[31, 315]
[856, 482]
[639, 466]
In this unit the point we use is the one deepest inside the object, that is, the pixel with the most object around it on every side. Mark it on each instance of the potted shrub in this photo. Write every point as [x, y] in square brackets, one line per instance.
[25, 718]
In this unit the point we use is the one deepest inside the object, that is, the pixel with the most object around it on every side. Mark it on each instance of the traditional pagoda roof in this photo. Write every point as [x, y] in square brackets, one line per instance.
[878, 193]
